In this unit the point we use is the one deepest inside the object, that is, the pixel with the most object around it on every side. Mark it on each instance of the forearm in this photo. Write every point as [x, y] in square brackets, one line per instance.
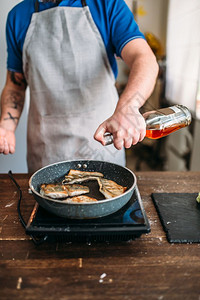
[12, 101]
[141, 81]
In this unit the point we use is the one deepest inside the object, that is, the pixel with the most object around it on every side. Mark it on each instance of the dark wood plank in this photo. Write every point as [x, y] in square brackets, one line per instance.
[147, 268]
[71, 282]
[75, 271]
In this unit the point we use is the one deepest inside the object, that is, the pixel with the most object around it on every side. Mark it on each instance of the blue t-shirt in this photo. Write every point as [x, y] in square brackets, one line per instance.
[113, 18]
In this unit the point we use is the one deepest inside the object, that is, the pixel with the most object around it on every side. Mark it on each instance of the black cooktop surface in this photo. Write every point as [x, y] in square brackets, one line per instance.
[126, 224]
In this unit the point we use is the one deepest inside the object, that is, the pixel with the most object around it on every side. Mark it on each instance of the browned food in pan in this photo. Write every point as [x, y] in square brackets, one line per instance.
[76, 189]
[110, 188]
[70, 188]
[55, 191]
[80, 199]
[76, 176]
[61, 191]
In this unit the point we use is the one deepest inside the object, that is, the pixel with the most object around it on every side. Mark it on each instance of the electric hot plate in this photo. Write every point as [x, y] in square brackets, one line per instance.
[126, 224]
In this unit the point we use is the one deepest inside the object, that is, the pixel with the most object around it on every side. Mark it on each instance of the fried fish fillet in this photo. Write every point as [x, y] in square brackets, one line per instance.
[109, 188]
[80, 199]
[75, 176]
[61, 191]
[76, 189]
[55, 191]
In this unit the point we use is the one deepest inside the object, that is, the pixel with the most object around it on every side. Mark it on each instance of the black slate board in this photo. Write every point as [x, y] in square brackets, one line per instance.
[180, 216]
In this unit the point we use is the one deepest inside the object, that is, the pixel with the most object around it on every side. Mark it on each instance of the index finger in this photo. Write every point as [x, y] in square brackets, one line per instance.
[99, 134]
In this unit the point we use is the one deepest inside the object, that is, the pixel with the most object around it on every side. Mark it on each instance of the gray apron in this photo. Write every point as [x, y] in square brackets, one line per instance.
[72, 87]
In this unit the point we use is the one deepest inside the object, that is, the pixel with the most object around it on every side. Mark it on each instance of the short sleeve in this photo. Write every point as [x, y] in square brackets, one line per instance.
[122, 24]
[14, 53]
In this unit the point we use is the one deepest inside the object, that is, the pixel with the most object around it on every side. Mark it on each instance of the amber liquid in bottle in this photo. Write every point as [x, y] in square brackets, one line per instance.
[158, 133]
[164, 121]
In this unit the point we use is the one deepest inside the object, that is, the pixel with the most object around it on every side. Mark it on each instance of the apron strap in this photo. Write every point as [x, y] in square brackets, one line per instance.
[36, 6]
[83, 3]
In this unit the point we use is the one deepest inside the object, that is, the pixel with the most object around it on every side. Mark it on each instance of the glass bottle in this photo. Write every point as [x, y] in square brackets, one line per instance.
[162, 122]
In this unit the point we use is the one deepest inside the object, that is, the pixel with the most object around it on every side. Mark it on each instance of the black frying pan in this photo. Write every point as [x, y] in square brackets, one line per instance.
[56, 172]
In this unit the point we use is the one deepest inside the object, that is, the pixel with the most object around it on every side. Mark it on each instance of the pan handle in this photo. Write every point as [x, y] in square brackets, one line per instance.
[35, 240]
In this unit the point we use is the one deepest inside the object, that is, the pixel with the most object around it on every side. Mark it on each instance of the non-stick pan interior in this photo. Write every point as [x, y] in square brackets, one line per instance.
[56, 173]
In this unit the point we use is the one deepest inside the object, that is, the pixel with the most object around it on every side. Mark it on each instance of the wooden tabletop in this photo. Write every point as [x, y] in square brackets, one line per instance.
[147, 268]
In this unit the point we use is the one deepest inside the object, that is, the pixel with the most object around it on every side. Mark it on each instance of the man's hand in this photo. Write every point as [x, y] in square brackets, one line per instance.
[126, 125]
[7, 141]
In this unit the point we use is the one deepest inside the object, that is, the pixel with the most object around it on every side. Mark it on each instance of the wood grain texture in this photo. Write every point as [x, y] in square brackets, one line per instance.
[147, 268]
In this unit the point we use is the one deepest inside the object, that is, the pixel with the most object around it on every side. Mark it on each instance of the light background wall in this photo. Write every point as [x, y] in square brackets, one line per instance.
[151, 16]
[183, 52]
[17, 161]
[183, 74]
